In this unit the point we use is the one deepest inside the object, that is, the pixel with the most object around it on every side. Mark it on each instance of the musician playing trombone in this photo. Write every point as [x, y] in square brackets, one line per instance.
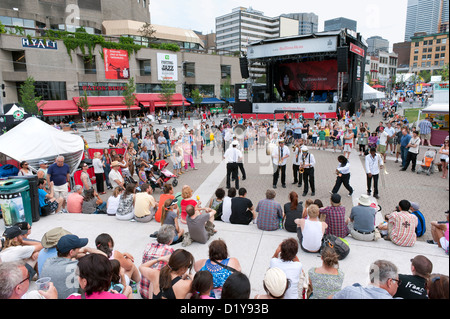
[280, 154]
[374, 163]
[307, 163]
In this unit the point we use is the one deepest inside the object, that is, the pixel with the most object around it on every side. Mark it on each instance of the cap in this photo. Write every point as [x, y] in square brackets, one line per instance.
[336, 198]
[304, 148]
[281, 140]
[42, 162]
[68, 242]
[235, 143]
[51, 238]
[275, 281]
[174, 201]
[414, 206]
[13, 232]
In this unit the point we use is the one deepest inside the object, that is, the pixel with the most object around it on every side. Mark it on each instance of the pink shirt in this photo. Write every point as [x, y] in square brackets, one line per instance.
[100, 295]
[74, 203]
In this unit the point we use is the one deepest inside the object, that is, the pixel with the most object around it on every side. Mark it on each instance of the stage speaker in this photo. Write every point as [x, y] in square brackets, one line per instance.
[342, 59]
[244, 68]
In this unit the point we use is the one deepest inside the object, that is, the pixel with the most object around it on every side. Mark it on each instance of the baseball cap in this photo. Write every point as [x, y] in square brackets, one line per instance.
[69, 242]
[13, 232]
[42, 162]
[336, 198]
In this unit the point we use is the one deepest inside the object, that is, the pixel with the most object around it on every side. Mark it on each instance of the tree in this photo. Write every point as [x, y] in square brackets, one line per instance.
[443, 72]
[28, 96]
[197, 98]
[226, 88]
[83, 103]
[167, 92]
[129, 98]
[148, 31]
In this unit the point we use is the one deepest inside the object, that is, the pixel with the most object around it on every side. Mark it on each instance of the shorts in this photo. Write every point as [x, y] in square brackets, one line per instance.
[297, 136]
[425, 137]
[53, 205]
[444, 243]
[348, 147]
[337, 142]
[382, 149]
[61, 191]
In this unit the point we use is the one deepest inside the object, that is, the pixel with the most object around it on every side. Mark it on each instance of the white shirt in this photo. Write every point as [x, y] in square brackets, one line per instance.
[390, 131]
[416, 142]
[295, 161]
[344, 169]
[292, 269]
[373, 164]
[226, 209]
[113, 176]
[276, 155]
[308, 160]
[232, 155]
[98, 166]
[383, 138]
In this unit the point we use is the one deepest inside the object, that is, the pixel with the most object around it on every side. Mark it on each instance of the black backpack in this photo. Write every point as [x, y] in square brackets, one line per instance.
[340, 246]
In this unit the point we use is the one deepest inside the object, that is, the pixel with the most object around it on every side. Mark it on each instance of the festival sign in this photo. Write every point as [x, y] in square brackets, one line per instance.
[117, 65]
[167, 67]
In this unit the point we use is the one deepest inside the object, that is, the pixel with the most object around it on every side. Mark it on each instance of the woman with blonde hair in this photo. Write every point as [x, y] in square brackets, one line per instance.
[99, 171]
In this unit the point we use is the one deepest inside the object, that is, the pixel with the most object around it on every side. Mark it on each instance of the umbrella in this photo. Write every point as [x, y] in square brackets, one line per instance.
[378, 86]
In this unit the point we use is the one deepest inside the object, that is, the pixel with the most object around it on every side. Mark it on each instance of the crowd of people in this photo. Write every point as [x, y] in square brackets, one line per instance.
[169, 273]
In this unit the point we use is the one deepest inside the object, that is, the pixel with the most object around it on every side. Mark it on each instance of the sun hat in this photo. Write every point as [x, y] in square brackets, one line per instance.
[275, 281]
[51, 238]
[364, 200]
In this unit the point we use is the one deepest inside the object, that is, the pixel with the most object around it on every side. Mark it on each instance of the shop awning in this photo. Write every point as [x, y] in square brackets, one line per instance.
[107, 104]
[209, 100]
[58, 108]
[154, 99]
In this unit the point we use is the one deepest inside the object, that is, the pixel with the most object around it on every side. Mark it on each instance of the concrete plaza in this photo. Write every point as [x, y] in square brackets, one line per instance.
[253, 247]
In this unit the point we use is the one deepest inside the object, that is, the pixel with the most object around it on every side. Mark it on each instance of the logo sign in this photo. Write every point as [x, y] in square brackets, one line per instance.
[39, 44]
[18, 115]
[167, 67]
[356, 49]
[117, 65]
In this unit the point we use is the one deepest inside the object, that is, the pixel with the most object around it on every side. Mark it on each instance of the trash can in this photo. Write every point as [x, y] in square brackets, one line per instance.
[15, 201]
[34, 195]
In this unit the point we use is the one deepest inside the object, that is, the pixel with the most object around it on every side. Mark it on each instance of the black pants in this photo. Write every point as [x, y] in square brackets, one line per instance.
[344, 179]
[308, 176]
[241, 168]
[276, 175]
[298, 178]
[375, 184]
[411, 158]
[233, 169]
[99, 182]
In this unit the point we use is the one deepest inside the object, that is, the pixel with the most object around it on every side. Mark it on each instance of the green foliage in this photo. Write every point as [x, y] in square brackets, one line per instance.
[2, 28]
[197, 98]
[165, 46]
[83, 102]
[129, 99]
[167, 92]
[28, 96]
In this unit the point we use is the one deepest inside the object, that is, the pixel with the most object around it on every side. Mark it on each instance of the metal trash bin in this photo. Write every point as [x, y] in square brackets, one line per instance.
[15, 201]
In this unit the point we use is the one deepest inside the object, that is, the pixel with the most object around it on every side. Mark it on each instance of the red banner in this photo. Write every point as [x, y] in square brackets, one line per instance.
[356, 49]
[117, 65]
[307, 76]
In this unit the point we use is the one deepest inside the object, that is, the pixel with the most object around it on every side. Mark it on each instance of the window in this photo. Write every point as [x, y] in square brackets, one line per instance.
[51, 90]
[424, 50]
[416, 58]
[430, 49]
[436, 56]
[145, 67]
[424, 57]
[225, 71]
[416, 51]
[90, 66]
[417, 44]
[189, 69]
[438, 41]
[19, 61]
[429, 57]
[425, 42]
[442, 55]
[438, 49]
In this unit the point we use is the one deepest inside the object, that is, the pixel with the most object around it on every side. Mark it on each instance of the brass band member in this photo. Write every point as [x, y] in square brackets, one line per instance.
[297, 156]
[279, 157]
[308, 162]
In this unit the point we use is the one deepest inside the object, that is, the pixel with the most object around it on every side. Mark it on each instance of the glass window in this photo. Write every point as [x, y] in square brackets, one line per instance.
[416, 58]
[5, 20]
[145, 67]
[19, 61]
[189, 70]
[51, 90]
[90, 65]
[17, 21]
[436, 56]
[225, 71]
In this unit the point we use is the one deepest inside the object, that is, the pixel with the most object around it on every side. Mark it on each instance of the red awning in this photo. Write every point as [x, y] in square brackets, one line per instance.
[112, 108]
[149, 99]
[107, 104]
[58, 108]
[60, 113]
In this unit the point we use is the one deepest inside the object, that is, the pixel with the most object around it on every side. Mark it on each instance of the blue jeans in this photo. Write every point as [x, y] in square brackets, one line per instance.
[404, 154]
[101, 208]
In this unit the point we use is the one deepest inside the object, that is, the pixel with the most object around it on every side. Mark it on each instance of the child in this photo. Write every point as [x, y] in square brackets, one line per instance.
[202, 285]
[373, 140]
[322, 135]
[118, 281]
[315, 134]
[142, 175]
[155, 178]
[169, 216]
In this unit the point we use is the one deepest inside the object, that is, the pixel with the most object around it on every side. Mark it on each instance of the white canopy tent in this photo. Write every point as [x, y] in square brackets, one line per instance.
[371, 94]
[34, 140]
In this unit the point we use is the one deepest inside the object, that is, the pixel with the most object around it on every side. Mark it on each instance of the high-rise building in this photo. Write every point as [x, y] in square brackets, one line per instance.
[425, 16]
[444, 17]
[307, 22]
[377, 43]
[340, 23]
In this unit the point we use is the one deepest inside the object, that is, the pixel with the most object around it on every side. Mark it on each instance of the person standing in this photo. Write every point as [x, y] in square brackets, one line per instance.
[232, 156]
[373, 163]
[425, 131]
[308, 162]
[404, 142]
[343, 172]
[298, 178]
[279, 157]
[413, 151]
[59, 174]
[99, 171]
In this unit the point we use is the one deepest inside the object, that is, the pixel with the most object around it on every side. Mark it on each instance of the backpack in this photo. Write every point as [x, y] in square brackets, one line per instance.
[421, 226]
[8, 170]
[340, 245]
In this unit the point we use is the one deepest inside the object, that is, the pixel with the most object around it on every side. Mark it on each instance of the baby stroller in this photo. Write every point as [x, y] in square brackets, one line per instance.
[427, 165]
[159, 172]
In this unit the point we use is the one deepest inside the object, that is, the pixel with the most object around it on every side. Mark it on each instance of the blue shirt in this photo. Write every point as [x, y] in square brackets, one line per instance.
[358, 292]
[425, 127]
[58, 174]
[42, 193]
[405, 140]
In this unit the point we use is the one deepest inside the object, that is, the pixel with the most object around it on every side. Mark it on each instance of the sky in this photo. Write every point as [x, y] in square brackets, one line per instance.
[385, 18]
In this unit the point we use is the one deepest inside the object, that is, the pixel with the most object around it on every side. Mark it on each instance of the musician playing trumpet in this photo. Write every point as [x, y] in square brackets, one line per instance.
[296, 163]
[307, 163]
[279, 159]
[374, 163]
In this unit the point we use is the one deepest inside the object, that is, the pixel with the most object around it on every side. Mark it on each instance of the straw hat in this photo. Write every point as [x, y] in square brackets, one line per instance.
[364, 200]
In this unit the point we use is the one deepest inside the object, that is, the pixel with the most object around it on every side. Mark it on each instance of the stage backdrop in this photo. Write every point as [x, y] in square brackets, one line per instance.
[117, 65]
[307, 76]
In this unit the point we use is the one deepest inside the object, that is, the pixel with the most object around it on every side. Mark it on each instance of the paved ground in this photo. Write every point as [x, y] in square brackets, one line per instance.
[254, 247]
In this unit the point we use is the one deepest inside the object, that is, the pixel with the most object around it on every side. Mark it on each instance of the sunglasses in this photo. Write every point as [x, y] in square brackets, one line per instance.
[399, 282]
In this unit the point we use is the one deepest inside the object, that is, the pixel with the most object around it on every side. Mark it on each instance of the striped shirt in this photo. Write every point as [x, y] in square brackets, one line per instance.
[425, 127]
[402, 228]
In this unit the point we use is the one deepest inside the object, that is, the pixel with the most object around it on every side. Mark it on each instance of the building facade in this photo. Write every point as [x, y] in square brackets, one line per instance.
[340, 23]
[430, 16]
[377, 43]
[307, 22]
[429, 52]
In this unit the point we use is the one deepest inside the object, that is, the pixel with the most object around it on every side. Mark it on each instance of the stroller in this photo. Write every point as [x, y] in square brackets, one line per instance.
[159, 172]
[427, 165]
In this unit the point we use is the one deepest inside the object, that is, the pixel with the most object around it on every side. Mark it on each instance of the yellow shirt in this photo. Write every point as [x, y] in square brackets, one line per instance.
[327, 132]
[143, 203]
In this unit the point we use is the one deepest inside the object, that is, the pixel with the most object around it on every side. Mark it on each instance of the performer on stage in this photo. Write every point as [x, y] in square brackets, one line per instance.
[374, 162]
[232, 156]
[279, 157]
[308, 162]
[343, 172]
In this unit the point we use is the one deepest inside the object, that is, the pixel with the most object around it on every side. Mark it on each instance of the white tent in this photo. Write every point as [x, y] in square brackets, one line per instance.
[371, 94]
[34, 140]
[438, 108]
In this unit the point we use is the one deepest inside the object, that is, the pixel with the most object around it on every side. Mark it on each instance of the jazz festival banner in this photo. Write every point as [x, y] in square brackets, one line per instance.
[117, 65]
